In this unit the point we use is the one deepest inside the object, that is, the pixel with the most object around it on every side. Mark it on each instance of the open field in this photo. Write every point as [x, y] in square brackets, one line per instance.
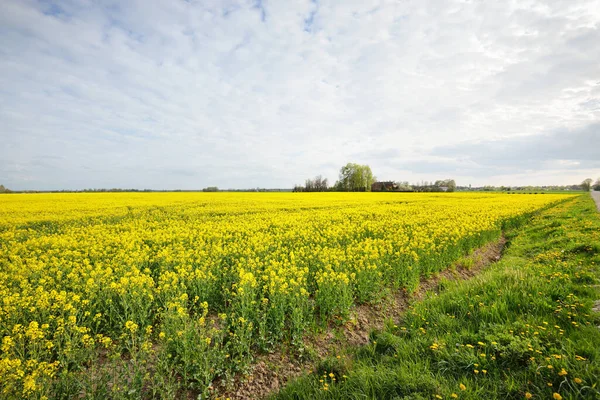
[157, 295]
[527, 327]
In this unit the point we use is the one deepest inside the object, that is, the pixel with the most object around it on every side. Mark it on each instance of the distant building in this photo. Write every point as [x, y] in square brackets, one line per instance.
[384, 186]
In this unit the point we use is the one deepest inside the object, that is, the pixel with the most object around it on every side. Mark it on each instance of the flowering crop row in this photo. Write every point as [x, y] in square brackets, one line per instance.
[141, 295]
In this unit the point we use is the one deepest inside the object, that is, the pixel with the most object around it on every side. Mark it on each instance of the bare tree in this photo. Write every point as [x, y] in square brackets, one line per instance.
[318, 184]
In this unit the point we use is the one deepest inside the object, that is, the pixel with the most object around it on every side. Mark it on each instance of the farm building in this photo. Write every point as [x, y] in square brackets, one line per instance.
[384, 186]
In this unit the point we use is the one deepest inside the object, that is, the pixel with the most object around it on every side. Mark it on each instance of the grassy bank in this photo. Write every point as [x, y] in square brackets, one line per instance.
[524, 328]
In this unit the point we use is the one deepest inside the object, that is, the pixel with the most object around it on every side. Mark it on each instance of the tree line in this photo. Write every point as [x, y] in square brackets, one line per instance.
[359, 178]
[446, 185]
[352, 178]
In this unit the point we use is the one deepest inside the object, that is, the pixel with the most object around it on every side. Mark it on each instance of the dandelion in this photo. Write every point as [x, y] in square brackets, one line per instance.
[556, 396]
[462, 387]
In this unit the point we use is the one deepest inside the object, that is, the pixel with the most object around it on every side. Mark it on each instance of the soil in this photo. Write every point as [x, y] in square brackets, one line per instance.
[270, 372]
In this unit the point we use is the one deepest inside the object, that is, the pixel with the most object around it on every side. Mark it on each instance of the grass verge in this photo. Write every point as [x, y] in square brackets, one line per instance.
[524, 328]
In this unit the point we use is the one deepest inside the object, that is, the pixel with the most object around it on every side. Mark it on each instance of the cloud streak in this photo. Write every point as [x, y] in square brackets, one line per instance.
[187, 94]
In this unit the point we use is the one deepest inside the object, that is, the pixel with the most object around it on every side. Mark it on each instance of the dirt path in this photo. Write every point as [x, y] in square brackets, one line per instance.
[272, 371]
[596, 196]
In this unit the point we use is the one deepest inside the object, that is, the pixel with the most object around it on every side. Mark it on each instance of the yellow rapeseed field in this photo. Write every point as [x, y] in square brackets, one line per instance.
[143, 294]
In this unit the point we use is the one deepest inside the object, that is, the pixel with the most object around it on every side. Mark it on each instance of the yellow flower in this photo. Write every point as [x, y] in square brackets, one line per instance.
[462, 387]
[562, 372]
[29, 384]
[7, 343]
[528, 395]
[131, 326]
[556, 396]
[577, 380]
[106, 341]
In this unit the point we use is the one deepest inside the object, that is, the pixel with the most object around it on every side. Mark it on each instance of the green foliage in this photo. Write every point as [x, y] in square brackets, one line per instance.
[449, 184]
[586, 184]
[355, 178]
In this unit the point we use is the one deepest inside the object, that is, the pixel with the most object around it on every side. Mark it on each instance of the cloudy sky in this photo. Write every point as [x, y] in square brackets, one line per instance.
[239, 94]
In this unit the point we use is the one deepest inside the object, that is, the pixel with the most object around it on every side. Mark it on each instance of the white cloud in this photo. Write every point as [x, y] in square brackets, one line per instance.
[266, 93]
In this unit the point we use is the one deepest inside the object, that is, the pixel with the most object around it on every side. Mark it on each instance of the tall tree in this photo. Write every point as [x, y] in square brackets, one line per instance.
[355, 178]
[451, 184]
[586, 184]
[597, 185]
